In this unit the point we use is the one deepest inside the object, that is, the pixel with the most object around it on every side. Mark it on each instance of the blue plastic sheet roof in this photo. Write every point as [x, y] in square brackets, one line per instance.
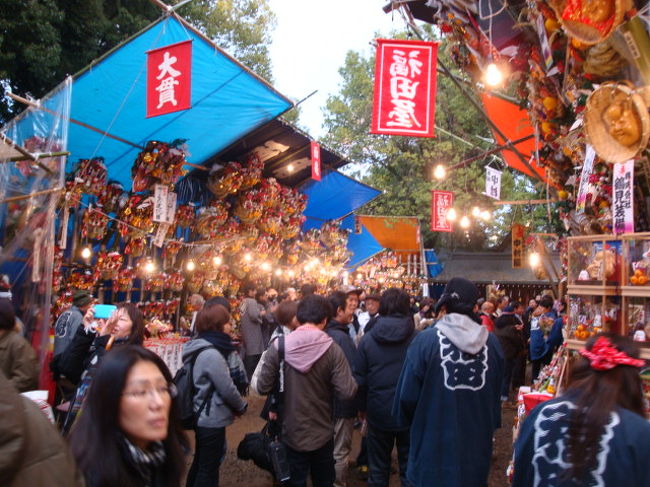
[335, 196]
[227, 102]
[363, 246]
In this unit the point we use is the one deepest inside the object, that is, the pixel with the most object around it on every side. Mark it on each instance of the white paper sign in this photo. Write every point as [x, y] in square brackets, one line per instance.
[171, 207]
[159, 239]
[493, 183]
[623, 197]
[160, 203]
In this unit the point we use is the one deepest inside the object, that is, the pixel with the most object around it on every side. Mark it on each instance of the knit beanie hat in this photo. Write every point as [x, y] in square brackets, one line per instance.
[458, 291]
[81, 298]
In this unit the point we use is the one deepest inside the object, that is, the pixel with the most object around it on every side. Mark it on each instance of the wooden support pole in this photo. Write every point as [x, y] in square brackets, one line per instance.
[507, 146]
[21, 197]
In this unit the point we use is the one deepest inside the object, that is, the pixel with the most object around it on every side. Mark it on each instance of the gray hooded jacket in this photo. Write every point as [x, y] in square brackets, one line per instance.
[211, 373]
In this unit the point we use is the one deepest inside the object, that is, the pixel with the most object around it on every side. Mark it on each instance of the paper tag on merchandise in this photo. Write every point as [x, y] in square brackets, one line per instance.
[63, 242]
[160, 204]
[36, 257]
[171, 207]
[159, 239]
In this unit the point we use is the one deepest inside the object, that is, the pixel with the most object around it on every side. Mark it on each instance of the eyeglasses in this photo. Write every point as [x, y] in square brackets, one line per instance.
[166, 390]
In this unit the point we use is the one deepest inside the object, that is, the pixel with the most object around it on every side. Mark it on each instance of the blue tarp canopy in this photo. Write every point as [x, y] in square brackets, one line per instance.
[434, 267]
[227, 102]
[334, 197]
[363, 246]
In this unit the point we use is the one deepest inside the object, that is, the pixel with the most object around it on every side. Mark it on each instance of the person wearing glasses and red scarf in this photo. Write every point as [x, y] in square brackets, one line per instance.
[596, 432]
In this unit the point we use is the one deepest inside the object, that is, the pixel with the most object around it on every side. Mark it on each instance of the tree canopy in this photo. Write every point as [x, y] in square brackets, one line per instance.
[43, 41]
[402, 167]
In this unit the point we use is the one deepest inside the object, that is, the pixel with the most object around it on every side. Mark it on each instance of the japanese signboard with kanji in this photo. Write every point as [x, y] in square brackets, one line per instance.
[441, 202]
[518, 249]
[623, 197]
[316, 169]
[169, 79]
[405, 88]
[493, 183]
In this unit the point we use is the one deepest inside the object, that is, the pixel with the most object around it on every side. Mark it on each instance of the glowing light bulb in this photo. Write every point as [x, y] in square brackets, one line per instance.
[248, 257]
[149, 267]
[290, 168]
[217, 260]
[86, 253]
[278, 272]
[493, 75]
[464, 222]
[291, 274]
[476, 212]
[266, 267]
[534, 259]
[439, 172]
[451, 215]
[190, 266]
[359, 276]
[486, 215]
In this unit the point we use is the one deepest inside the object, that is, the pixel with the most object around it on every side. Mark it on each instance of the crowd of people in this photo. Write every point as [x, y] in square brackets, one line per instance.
[427, 378]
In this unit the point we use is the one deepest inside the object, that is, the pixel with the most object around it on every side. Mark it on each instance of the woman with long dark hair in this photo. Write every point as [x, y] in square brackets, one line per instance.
[596, 432]
[128, 433]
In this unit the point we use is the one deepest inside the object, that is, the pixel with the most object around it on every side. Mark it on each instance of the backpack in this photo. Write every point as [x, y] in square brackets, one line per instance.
[186, 390]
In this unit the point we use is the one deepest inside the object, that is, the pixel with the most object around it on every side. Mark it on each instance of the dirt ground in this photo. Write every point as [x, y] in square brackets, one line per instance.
[238, 473]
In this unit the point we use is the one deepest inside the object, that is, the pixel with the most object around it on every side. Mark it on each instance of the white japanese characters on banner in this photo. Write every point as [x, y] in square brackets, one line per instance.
[441, 202]
[169, 79]
[623, 197]
[493, 183]
[160, 203]
[405, 88]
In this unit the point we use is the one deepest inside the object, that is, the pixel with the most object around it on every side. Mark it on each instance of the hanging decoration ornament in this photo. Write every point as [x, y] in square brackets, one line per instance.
[159, 163]
[109, 264]
[226, 181]
[252, 173]
[135, 246]
[124, 281]
[93, 226]
[185, 215]
[137, 213]
[249, 207]
[91, 175]
[109, 196]
[211, 218]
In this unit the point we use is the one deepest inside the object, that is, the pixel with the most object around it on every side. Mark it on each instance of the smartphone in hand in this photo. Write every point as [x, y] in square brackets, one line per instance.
[104, 311]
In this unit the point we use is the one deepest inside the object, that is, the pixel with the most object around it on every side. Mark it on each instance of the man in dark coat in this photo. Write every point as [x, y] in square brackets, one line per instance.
[381, 355]
[509, 331]
[345, 411]
[448, 393]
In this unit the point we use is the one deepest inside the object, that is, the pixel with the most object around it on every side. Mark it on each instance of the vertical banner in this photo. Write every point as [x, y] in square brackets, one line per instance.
[316, 172]
[493, 183]
[171, 207]
[587, 169]
[441, 201]
[518, 250]
[169, 79]
[623, 197]
[405, 88]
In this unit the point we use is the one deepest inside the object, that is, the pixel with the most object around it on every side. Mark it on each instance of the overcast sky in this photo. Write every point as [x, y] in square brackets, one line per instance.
[310, 42]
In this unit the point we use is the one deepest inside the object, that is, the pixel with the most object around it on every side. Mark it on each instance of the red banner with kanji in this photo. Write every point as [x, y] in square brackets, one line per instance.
[169, 79]
[405, 88]
[316, 172]
[441, 202]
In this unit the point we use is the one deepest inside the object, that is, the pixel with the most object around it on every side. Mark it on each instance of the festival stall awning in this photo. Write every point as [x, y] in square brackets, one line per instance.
[109, 102]
[334, 197]
[515, 124]
[400, 234]
[362, 245]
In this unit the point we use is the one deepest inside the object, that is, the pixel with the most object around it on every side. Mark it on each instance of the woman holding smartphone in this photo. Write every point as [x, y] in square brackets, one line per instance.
[90, 343]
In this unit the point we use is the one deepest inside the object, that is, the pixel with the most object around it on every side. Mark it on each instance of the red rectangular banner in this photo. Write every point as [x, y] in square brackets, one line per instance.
[405, 88]
[441, 202]
[315, 161]
[169, 79]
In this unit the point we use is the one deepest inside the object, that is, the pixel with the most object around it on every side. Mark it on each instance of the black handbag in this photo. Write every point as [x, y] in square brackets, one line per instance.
[265, 448]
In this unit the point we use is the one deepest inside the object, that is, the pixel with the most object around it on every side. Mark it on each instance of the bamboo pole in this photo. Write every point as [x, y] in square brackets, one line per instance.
[525, 202]
[25, 152]
[11, 199]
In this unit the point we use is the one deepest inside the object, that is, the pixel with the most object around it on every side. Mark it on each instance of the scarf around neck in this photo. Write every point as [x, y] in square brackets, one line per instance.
[219, 340]
[144, 462]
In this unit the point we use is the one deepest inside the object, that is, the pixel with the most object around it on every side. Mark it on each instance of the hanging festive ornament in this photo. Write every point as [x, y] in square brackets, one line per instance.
[91, 175]
[93, 226]
[109, 264]
[226, 181]
[124, 281]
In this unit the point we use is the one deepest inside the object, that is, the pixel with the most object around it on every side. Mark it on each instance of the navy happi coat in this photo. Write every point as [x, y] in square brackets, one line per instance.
[450, 398]
[540, 452]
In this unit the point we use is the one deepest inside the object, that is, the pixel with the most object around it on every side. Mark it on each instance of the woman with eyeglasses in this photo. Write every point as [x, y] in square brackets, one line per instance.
[128, 433]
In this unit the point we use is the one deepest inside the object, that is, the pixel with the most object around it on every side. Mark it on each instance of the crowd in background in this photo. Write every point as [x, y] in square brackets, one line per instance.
[425, 377]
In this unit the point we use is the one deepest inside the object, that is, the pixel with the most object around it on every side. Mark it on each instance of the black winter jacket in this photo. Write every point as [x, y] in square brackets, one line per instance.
[341, 336]
[80, 354]
[512, 340]
[379, 363]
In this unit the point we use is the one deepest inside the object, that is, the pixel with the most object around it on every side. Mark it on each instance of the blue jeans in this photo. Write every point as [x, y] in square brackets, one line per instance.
[380, 447]
[320, 462]
[208, 453]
